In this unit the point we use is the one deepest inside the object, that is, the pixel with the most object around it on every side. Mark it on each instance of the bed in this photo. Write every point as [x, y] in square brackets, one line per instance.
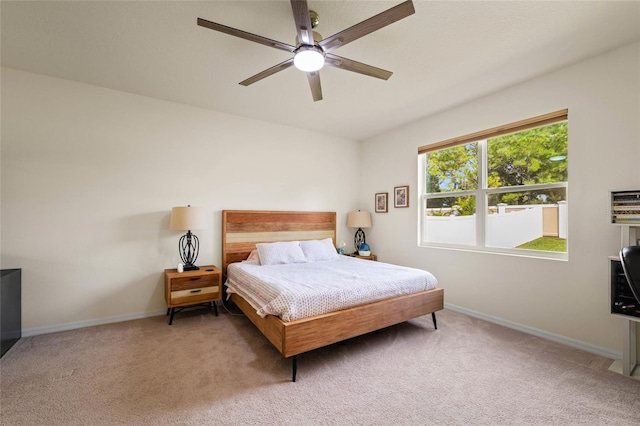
[243, 229]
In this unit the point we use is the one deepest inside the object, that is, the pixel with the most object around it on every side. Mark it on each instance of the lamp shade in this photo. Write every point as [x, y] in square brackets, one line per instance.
[187, 218]
[359, 219]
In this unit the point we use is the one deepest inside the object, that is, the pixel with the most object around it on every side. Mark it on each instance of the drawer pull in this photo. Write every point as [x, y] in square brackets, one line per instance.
[196, 291]
[195, 278]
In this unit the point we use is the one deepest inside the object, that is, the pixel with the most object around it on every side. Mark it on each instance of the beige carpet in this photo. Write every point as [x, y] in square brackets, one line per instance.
[208, 370]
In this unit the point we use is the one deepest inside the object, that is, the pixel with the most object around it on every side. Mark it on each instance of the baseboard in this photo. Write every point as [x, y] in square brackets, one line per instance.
[578, 344]
[89, 323]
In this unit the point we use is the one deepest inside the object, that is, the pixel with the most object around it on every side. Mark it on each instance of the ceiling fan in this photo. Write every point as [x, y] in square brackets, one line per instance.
[311, 54]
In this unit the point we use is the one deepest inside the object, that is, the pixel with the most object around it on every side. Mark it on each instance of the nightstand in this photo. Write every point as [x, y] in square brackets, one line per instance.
[370, 257]
[189, 288]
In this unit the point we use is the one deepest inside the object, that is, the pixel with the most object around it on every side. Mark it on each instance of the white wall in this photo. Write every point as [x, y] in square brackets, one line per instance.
[89, 176]
[566, 298]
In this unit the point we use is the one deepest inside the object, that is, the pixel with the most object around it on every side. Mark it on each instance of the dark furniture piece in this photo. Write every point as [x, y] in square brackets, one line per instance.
[623, 301]
[10, 308]
[628, 278]
[630, 257]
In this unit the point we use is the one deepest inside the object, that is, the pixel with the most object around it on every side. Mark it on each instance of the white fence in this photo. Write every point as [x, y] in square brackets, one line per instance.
[510, 227]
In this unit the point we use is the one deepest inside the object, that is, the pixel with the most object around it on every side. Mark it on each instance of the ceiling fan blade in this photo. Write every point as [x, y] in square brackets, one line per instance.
[359, 67]
[303, 21]
[368, 26]
[266, 73]
[314, 83]
[245, 35]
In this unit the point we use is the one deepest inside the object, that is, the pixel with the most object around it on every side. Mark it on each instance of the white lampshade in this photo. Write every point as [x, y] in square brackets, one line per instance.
[187, 218]
[308, 58]
[359, 219]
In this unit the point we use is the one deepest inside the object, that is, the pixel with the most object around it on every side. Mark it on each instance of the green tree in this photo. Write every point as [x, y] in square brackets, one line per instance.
[453, 169]
[522, 158]
[450, 170]
[527, 158]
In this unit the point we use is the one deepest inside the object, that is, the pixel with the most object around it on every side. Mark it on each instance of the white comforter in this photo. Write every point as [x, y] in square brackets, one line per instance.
[300, 290]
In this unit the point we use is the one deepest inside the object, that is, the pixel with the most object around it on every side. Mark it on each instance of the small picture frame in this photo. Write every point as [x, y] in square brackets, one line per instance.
[401, 196]
[381, 202]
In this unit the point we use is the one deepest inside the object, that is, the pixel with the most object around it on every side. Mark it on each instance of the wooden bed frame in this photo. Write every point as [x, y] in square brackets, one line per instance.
[242, 229]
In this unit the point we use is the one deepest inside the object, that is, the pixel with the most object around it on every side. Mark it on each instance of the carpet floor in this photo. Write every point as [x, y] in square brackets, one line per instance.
[205, 370]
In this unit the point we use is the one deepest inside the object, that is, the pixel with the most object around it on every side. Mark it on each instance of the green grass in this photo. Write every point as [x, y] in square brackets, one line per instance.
[546, 244]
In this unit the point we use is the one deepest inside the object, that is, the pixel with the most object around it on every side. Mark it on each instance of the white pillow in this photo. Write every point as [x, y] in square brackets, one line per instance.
[319, 250]
[280, 253]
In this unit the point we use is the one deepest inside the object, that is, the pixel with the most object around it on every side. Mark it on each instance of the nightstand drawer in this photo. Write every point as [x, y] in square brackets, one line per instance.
[188, 283]
[195, 295]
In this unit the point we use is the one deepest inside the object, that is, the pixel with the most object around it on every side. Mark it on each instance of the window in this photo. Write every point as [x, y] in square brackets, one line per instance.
[501, 190]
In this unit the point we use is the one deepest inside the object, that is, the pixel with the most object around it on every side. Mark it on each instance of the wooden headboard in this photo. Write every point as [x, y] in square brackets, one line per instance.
[242, 229]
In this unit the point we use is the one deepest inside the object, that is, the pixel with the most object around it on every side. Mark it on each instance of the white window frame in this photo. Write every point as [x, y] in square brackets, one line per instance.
[482, 193]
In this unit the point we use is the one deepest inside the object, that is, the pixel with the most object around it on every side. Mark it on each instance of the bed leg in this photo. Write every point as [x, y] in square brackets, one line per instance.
[433, 316]
[294, 367]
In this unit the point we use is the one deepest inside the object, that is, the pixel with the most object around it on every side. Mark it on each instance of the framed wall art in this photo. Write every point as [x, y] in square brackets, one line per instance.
[381, 202]
[401, 196]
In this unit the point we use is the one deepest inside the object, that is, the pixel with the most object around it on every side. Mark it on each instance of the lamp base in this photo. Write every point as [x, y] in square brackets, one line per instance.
[190, 268]
[188, 247]
[358, 239]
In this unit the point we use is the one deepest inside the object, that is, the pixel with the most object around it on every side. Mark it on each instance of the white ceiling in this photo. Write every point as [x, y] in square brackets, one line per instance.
[447, 53]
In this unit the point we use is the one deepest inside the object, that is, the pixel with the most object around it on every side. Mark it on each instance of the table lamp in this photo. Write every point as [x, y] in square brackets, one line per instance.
[359, 220]
[186, 219]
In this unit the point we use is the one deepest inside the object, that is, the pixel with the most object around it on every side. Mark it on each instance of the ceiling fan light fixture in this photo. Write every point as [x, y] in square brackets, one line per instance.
[308, 58]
